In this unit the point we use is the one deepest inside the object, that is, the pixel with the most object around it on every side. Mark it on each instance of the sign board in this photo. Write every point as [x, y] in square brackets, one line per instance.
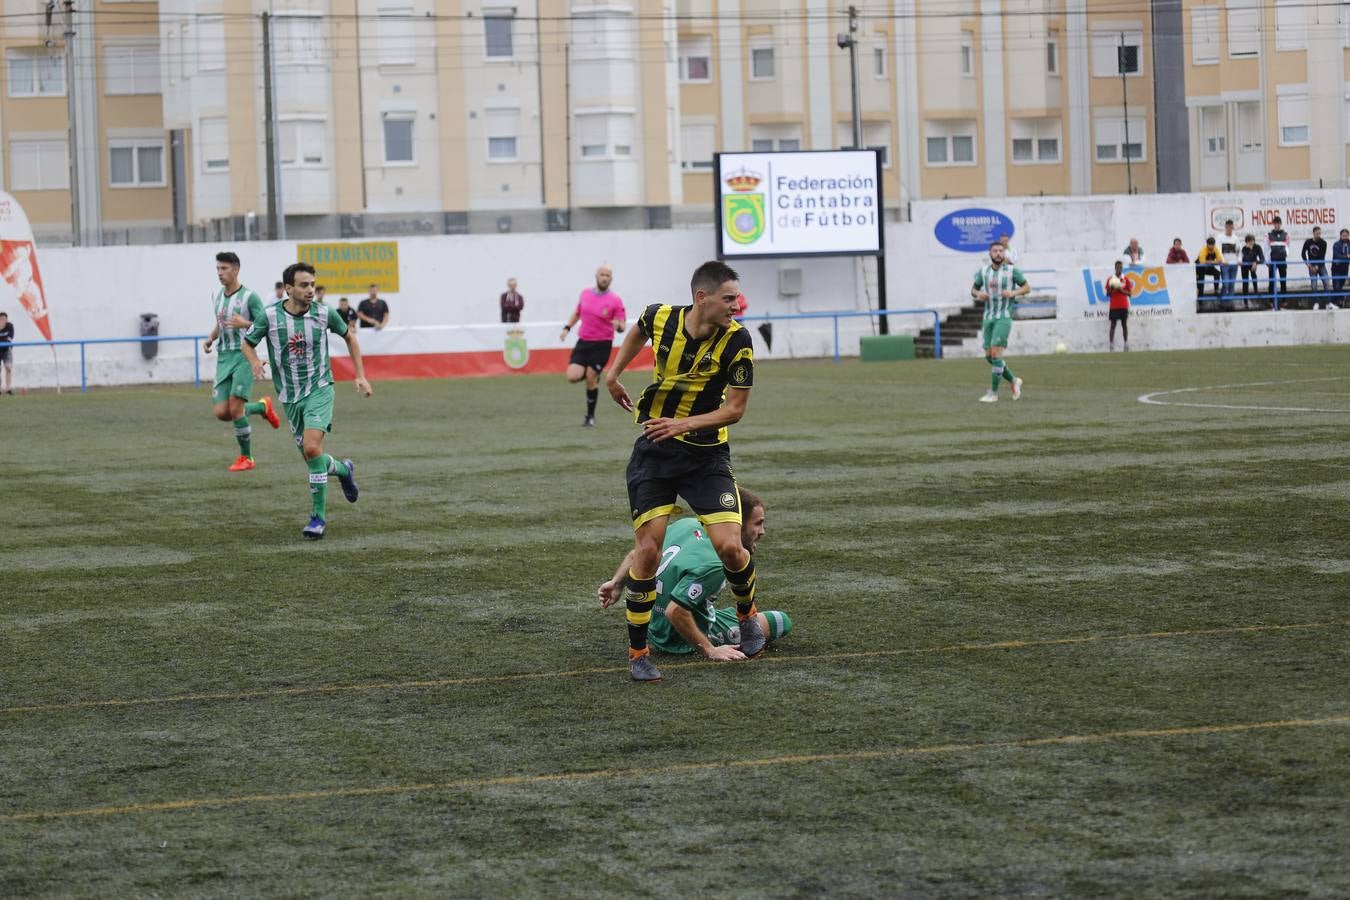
[1158, 291]
[20, 279]
[808, 203]
[350, 268]
[1299, 210]
[972, 230]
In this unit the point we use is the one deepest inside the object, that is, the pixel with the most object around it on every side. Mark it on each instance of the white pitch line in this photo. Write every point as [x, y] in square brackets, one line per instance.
[1149, 398]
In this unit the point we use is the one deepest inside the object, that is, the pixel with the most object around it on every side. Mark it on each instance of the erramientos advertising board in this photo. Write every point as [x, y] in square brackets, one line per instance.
[810, 203]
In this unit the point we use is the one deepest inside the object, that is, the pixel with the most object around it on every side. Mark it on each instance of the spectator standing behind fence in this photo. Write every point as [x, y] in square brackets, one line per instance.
[1118, 288]
[1230, 246]
[1277, 240]
[1315, 254]
[1206, 264]
[348, 314]
[1252, 256]
[1340, 265]
[1133, 253]
[7, 352]
[1177, 254]
[1009, 254]
[280, 292]
[372, 311]
[512, 302]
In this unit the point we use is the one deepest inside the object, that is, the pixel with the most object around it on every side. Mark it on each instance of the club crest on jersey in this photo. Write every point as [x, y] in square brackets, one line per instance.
[728, 500]
[297, 346]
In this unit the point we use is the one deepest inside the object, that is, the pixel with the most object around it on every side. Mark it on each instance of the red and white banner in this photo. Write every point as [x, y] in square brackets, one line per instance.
[19, 275]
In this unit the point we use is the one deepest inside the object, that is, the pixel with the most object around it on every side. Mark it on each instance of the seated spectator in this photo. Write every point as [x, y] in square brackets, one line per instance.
[1252, 255]
[1177, 254]
[1207, 263]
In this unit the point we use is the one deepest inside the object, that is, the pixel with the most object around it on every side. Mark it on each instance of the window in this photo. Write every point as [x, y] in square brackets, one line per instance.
[696, 146]
[878, 62]
[498, 33]
[605, 134]
[1115, 51]
[395, 35]
[695, 59]
[875, 136]
[502, 129]
[398, 138]
[213, 140]
[761, 145]
[210, 44]
[36, 73]
[131, 69]
[968, 54]
[1052, 57]
[610, 35]
[770, 138]
[38, 166]
[1213, 142]
[1250, 124]
[761, 62]
[1112, 144]
[1204, 35]
[1036, 140]
[299, 40]
[950, 142]
[1244, 28]
[136, 163]
[301, 141]
[1293, 113]
[1291, 25]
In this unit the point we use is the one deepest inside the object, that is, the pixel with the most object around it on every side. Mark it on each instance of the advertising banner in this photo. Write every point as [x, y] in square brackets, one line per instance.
[1299, 211]
[350, 268]
[1159, 291]
[20, 279]
[814, 203]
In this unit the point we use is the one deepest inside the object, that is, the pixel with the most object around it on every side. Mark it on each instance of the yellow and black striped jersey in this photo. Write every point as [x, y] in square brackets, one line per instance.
[690, 377]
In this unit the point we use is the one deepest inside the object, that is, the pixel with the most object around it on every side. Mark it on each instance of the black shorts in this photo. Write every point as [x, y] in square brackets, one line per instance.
[1118, 315]
[591, 354]
[657, 473]
[6, 356]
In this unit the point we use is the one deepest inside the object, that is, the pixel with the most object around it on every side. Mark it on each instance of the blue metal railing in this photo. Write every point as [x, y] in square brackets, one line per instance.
[82, 343]
[854, 314]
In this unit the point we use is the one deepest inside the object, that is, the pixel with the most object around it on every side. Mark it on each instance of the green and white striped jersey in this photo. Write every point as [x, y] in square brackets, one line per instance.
[243, 302]
[297, 347]
[999, 283]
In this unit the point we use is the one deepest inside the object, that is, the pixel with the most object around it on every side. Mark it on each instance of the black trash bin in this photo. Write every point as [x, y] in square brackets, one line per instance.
[149, 328]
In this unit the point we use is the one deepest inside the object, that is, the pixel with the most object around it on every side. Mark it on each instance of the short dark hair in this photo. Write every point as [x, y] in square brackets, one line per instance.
[711, 275]
[749, 500]
[4, 314]
[344, 300]
[1209, 240]
[1227, 222]
[226, 256]
[1279, 221]
[1317, 228]
[1250, 237]
[1176, 240]
[319, 287]
[279, 285]
[288, 276]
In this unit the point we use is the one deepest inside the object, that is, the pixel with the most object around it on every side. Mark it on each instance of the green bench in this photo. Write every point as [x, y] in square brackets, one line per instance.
[886, 347]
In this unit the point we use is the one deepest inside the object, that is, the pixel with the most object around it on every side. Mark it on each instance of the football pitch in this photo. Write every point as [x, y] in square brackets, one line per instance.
[1073, 645]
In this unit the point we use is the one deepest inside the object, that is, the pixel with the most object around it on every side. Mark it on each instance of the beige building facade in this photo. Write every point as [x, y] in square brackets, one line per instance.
[451, 116]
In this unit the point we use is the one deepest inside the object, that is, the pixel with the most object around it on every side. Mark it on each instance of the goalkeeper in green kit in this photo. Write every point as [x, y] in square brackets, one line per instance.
[296, 330]
[688, 580]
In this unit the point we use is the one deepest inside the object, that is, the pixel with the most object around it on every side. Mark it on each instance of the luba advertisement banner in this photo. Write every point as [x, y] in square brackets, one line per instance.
[811, 203]
[1158, 292]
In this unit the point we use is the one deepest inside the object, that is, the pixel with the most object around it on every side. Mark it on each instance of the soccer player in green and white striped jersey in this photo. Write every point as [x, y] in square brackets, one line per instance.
[999, 284]
[236, 309]
[296, 331]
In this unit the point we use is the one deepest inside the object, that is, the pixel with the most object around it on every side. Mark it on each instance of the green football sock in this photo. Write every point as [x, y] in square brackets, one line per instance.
[256, 408]
[334, 467]
[1008, 376]
[780, 623]
[243, 433]
[996, 375]
[318, 484]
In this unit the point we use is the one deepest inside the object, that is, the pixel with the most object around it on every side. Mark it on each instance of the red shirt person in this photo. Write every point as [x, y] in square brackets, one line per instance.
[1119, 288]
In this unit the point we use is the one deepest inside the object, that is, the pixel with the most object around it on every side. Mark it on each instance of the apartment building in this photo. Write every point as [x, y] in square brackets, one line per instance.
[450, 116]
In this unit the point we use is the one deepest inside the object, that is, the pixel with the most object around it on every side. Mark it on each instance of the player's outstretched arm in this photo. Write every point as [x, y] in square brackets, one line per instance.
[612, 590]
[683, 620]
[354, 350]
[632, 343]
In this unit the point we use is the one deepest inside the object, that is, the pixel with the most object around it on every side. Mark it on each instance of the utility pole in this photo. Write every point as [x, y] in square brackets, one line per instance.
[849, 42]
[1125, 105]
[68, 15]
[276, 208]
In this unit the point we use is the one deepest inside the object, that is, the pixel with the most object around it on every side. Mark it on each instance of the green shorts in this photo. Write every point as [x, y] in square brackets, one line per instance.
[996, 332]
[725, 630]
[234, 377]
[312, 411]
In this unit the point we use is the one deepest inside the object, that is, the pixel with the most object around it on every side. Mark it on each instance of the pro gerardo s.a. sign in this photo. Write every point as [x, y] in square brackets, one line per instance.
[815, 203]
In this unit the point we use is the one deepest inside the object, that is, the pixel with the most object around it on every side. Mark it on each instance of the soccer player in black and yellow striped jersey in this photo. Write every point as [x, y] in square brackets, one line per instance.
[701, 379]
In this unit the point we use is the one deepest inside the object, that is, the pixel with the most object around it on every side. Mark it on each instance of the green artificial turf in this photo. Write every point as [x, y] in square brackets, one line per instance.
[1034, 643]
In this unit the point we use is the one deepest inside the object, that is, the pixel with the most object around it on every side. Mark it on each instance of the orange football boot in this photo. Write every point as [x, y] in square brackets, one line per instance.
[243, 464]
[270, 414]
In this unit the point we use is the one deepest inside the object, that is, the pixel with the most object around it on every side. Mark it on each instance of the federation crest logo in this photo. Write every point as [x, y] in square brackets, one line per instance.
[516, 354]
[742, 210]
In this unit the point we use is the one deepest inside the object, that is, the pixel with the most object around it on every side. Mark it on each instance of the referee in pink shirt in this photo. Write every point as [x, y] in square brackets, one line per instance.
[601, 314]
